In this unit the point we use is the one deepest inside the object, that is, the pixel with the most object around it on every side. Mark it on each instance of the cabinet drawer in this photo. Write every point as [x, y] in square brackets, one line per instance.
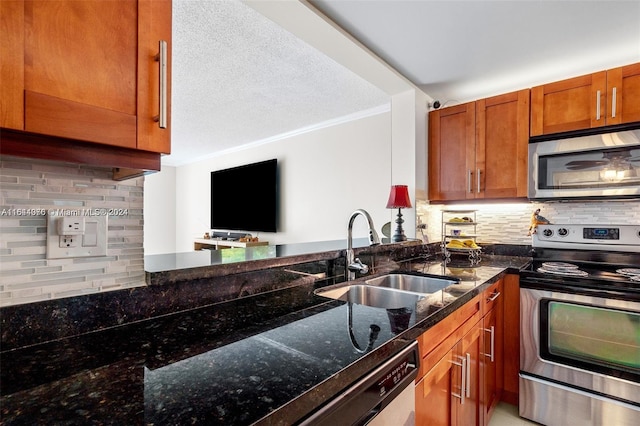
[492, 296]
[439, 339]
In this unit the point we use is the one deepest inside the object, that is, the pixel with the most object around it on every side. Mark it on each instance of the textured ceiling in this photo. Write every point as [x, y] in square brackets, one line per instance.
[458, 51]
[240, 79]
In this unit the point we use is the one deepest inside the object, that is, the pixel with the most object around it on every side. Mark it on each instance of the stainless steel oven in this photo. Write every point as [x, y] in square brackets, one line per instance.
[580, 326]
[585, 165]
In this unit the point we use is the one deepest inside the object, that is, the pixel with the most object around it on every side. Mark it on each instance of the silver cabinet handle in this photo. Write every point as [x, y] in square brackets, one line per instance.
[613, 103]
[598, 105]
[161, 58]
[469, 173]
[492, 331]
[493, 296]
[478, 179]
[463, 379]
[468, 373]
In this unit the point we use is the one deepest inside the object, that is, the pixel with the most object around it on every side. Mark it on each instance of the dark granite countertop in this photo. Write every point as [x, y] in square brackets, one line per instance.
[172, 267]
[232, 363]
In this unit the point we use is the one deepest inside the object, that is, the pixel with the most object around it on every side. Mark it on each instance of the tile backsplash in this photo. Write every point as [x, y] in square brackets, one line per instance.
[509, 223]
[29, 189]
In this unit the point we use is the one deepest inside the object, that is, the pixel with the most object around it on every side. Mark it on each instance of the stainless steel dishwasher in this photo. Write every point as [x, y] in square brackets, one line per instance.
[385, 396]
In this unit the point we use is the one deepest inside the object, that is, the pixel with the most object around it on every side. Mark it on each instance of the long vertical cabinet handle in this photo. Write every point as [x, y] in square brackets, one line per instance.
[492, 331]
[463, 380]
[468, 373]
[161, 58]
[478, 179]
[598, 105]
[469, 187]
[613, 103]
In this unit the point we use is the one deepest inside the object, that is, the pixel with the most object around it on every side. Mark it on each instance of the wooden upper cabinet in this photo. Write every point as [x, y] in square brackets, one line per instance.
[623, 94]
[479, 149]
[589, 101]
[89, 70]
[502, 138]
[452, 152]
[12, 64]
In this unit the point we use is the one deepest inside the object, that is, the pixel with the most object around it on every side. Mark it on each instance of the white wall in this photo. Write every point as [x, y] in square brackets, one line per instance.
[160, 212]
[324, 176]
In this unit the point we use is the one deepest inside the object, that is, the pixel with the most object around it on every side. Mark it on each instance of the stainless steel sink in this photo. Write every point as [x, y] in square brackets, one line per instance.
[415, 283]
[377, 297]
[391, 291]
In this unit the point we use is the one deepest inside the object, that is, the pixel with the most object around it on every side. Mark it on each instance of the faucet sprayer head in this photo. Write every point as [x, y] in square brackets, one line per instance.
[374, 239]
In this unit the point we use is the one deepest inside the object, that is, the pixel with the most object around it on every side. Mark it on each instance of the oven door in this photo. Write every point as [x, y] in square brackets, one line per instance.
[584, 342]
[592, 166]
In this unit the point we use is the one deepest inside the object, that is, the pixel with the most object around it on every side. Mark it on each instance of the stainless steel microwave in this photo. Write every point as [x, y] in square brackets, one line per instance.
[601, 163]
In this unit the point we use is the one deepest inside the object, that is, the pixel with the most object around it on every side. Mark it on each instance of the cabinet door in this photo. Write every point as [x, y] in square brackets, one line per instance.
[85, 70]
[492, 373]
[452, 152]
[502, 126]
[623, 94]
[12, 64]
[434, 393]
[467, 411]
[80, 70]
[572, 104]
[511, 338]
[154, 24]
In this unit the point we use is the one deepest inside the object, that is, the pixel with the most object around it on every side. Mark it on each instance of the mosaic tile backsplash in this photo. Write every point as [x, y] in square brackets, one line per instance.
[509, 223]
[29, 189]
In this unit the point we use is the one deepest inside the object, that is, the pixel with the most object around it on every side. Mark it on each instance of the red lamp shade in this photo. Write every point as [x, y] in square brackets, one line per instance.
[399, 197]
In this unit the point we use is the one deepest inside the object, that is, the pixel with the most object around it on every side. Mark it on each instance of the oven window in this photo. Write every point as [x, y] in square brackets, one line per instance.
[594, 338]
[602, 168]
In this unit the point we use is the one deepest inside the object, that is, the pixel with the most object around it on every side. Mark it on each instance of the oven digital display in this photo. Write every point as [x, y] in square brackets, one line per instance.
[601, 233]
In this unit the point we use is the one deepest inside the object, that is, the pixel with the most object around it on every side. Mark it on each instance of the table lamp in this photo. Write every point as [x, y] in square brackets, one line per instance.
[399, 199]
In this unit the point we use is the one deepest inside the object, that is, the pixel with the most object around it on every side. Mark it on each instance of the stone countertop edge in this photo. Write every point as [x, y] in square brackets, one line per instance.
[216, 270]
[297, 409]
[211, 271]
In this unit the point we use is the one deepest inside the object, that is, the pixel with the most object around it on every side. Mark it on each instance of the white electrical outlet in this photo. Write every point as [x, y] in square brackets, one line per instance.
[68, 241]
[75, 235]
[70, 225]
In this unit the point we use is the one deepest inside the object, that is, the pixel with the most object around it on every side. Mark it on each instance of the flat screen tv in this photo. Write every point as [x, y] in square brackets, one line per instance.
[245, 198]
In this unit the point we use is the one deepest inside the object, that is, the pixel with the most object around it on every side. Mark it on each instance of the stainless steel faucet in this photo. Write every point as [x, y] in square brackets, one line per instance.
[354, 264]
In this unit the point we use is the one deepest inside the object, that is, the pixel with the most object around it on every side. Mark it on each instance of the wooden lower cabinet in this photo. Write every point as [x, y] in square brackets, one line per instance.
[511, 338]
[448, 393]
[461, 376]
[491, 362]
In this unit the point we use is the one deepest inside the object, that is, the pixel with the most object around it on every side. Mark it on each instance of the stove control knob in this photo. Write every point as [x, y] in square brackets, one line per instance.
[563, 232]
[547, 232]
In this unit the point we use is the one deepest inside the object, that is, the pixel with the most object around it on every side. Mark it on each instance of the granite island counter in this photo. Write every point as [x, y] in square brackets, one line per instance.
[270, 357]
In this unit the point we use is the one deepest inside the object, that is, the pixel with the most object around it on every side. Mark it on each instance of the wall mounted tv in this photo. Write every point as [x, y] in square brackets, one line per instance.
[245, 198]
